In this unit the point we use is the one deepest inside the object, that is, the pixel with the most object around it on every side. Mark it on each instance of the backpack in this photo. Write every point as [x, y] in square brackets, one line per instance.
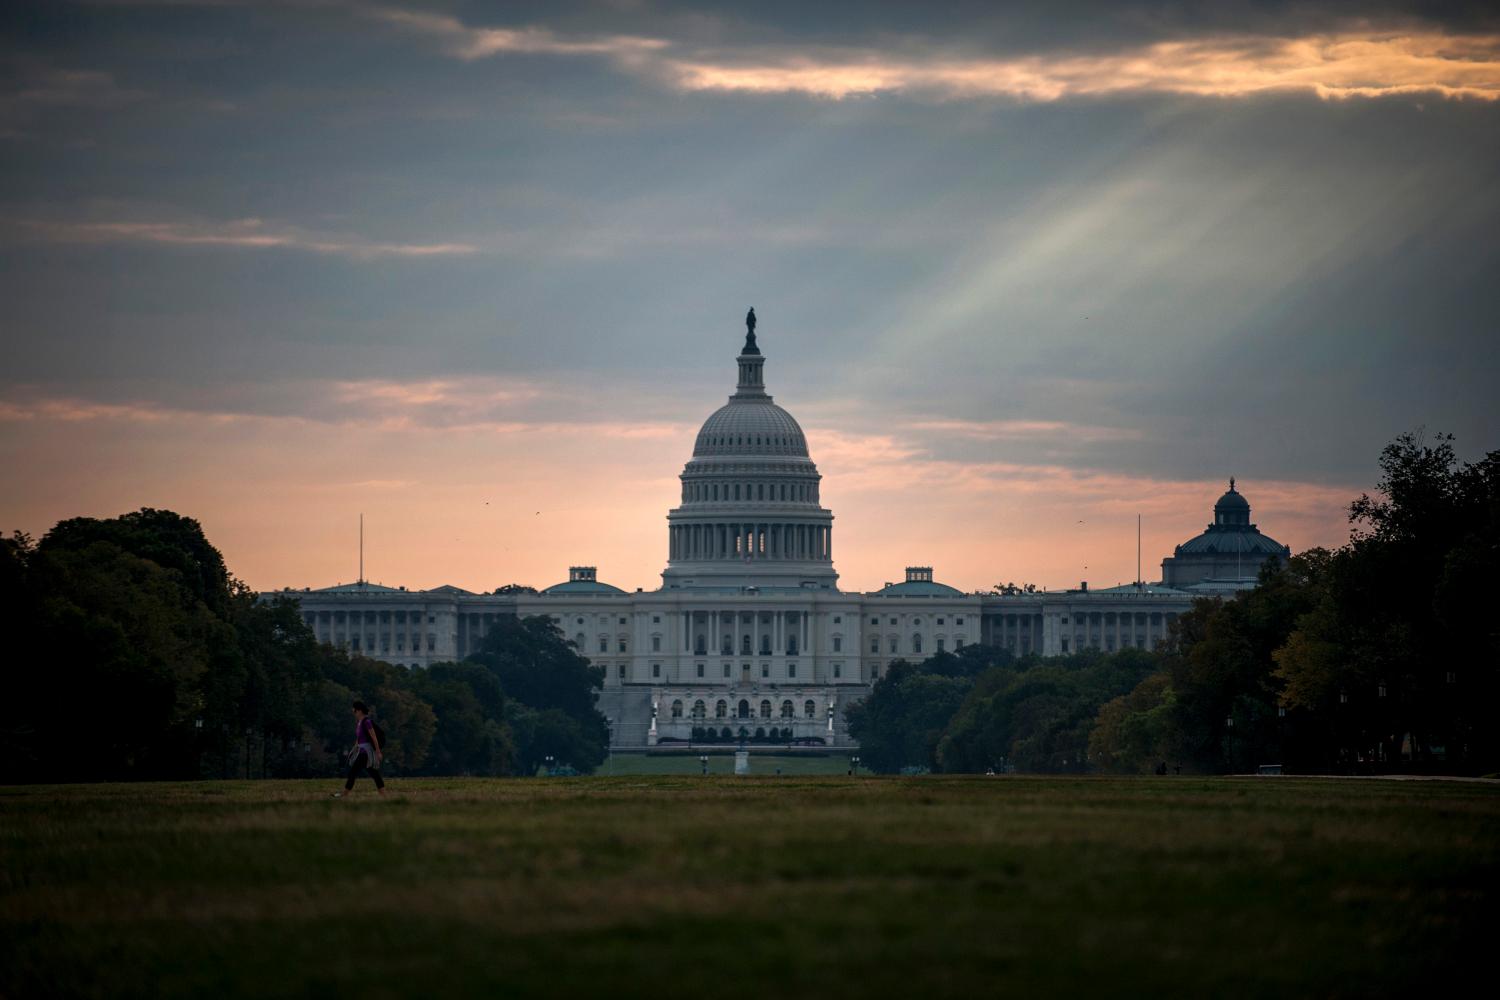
[379, 734]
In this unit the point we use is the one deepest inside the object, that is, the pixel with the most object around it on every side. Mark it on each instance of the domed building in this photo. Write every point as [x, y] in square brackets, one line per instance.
[1228, 553]
[749, 513]
[749, 638]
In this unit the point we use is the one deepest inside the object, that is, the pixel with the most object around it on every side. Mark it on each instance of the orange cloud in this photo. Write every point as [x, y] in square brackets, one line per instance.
[1368, 63]
[1330, 66]
[496, 497]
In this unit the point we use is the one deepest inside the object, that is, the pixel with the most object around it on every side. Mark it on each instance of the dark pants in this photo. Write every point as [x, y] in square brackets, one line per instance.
[360, 765]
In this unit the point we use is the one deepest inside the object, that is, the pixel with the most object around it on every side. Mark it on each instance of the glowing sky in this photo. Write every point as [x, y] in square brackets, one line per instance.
[478, 271]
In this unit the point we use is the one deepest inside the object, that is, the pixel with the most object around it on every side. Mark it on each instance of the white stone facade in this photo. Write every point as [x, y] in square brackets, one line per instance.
[749, 630]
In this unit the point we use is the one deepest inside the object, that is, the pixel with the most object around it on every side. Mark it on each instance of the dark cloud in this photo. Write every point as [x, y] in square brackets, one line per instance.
[1166, 284]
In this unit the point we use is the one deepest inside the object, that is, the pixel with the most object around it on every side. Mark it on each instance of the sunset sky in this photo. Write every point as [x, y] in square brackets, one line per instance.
[479, 271]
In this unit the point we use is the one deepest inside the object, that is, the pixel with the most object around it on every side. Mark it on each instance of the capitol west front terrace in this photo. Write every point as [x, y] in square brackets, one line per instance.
[749, 631]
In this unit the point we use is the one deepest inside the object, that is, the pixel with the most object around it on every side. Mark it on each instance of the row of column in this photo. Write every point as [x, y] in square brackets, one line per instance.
[1124, 626]
[751, 541]
[714, 630]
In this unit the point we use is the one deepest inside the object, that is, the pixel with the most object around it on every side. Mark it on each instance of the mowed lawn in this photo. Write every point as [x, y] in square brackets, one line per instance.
[764, 887]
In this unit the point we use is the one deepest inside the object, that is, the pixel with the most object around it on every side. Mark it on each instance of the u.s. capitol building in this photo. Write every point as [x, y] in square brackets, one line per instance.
[749, 631]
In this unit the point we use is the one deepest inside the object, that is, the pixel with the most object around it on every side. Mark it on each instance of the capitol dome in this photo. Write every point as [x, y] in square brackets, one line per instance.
[750, 515]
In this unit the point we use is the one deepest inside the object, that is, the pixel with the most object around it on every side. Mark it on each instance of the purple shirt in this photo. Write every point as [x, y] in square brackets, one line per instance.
[364, 732]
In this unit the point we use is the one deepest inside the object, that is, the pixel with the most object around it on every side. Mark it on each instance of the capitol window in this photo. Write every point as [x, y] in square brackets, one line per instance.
[809, 709]
[838, 670]
[700, 670]
[765, 670]
[875, 644]
[700, 710]
[656, 670]
[765, 708]
[677, 708]
[893, 644]
[721, 709]
[916, 643]
[838, 644]
[656, 644]
[786, 709]
[791, 670]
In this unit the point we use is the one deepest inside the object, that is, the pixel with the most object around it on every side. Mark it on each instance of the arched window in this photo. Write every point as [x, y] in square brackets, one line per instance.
[809, 709]
[786, 709]
[765, 708]
[677, 708]
[578, 641]
[916, 642]
[700, 710]
[721, 709]
[743, 709]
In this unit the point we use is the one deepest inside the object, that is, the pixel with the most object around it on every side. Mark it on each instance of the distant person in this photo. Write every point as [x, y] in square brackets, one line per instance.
[1161, 768]
[367, 753]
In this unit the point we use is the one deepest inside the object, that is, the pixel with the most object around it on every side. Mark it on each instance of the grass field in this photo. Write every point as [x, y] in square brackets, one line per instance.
[757, 887]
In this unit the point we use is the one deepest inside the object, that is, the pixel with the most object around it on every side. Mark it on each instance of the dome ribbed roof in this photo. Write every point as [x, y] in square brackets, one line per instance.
[750, 426]
[1229, 542]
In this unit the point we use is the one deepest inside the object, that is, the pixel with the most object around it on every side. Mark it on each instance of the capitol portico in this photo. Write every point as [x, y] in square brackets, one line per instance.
[749, 635]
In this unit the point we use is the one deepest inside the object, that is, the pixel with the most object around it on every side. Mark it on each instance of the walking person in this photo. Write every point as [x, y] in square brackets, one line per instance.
[367, 751]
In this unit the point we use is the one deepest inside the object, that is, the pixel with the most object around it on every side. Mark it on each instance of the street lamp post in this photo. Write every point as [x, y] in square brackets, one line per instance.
[551, 762]
[1229, 741]
[703, 762]
[854, 764]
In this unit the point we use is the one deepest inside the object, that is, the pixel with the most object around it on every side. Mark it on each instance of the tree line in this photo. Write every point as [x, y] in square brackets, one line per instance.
[135, 655]
[1381, 655]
